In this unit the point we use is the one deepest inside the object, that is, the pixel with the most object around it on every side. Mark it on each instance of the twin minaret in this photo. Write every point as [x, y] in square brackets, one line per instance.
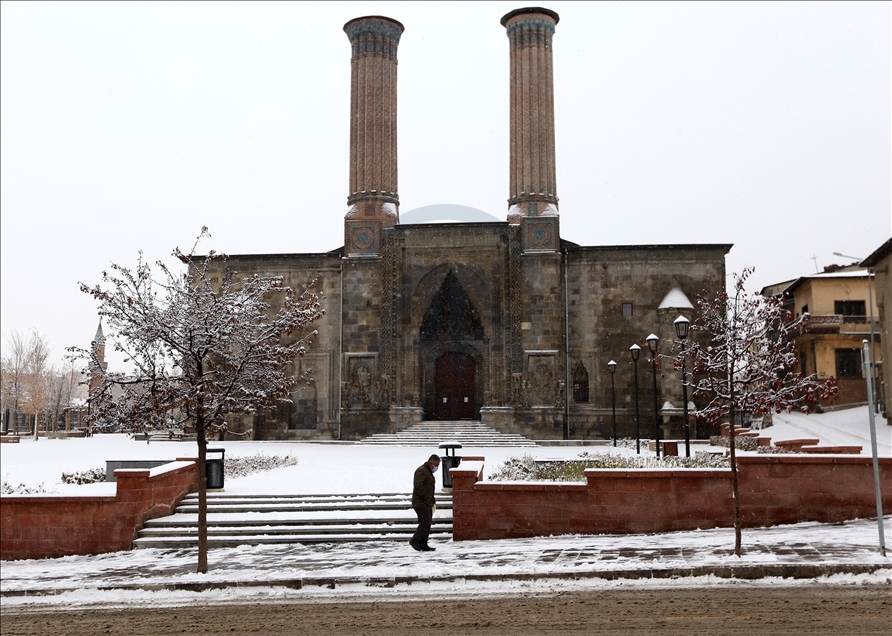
[373, 200]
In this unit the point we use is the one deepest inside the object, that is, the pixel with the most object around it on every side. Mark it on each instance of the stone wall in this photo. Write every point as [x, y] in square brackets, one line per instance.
[600, 280]
[539, 316]
[318, 402]
[774, 489]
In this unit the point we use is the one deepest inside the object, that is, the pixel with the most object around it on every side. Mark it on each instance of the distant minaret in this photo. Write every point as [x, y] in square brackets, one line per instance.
[98, 348]
[373, 202]
[532, 180]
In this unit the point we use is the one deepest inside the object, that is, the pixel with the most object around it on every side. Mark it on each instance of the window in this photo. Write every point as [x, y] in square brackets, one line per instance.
[580, 383]
[849, 308]
[627, 310]
[848, 364]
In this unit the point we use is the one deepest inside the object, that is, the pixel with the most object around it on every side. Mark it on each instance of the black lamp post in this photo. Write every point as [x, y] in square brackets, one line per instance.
[611, 366]
[635, 350]
[682, 325]
[653, 342]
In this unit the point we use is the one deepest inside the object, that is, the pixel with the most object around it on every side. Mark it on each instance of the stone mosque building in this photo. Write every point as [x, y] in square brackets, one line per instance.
[504, 322]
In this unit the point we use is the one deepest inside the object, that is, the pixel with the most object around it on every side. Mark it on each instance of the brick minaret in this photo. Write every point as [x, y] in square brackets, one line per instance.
[98, 347]
[533, 187]
[373, 200]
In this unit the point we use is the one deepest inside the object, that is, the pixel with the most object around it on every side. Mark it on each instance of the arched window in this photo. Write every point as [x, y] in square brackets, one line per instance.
[580, 383]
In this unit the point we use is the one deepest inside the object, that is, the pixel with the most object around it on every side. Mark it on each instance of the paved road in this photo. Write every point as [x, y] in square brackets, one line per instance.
[732, 610]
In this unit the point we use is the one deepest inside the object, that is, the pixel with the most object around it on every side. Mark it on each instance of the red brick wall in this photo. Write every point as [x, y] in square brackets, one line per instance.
[774, 489]
[38, 526]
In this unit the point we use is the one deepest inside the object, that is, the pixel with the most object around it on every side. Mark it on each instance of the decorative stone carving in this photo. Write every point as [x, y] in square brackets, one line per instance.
[543, 385]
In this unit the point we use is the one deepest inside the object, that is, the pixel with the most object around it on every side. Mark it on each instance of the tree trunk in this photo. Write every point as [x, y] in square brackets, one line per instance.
[735, 493]
[202, 497]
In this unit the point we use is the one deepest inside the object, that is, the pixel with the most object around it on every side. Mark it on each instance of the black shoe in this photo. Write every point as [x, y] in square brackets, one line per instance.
[427, 548]
[414, 545]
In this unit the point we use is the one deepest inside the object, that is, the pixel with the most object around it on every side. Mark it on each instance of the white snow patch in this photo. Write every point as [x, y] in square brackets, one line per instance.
[676, 299]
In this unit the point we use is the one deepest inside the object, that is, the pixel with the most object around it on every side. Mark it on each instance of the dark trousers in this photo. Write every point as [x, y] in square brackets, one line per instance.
[425, 515]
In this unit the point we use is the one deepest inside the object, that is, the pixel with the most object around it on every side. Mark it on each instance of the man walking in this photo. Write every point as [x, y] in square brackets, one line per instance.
[423, 502]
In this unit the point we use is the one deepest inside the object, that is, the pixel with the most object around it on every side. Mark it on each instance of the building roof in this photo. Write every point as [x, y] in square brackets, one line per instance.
[881, 252]
[799, 282]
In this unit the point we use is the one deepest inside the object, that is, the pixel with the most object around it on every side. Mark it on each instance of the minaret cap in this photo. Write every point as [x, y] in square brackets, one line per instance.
[551, 14]
[99, 338]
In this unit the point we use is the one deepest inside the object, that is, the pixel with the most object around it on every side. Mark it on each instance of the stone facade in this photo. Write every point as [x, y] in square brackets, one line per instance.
[525, 328]
[502, 322]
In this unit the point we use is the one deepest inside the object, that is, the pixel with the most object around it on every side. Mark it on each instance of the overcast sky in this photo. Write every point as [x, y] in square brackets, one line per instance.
[127, 127]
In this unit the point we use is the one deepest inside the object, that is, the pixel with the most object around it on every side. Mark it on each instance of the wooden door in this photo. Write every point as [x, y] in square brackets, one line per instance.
[455, 387]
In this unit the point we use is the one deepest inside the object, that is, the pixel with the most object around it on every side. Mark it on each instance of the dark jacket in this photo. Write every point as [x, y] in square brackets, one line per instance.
[423, 487]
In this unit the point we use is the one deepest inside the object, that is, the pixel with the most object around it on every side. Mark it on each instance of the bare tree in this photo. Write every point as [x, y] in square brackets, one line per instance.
[37, 378]
[14, 370]
[745, 363]
[63, 390]
[204, 344]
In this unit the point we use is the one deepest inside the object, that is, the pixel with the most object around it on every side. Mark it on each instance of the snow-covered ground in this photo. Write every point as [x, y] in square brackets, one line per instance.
[353, 468]
[840, 428]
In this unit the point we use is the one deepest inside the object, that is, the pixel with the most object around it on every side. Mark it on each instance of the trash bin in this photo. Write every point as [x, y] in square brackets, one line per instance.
[214, 469]
[449, 461]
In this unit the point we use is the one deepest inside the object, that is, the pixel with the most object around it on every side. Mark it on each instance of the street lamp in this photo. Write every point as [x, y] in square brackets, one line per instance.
[611, 366]
[653, 341]
[682, 325]
[635, 350]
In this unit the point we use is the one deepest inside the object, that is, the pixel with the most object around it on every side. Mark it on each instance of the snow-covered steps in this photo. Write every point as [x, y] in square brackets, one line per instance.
[259, 519]
[467, 433]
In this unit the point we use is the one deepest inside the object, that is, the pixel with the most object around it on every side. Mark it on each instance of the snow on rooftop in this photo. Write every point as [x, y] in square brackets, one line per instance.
[447, 213]
[676, 299]
[854, 273]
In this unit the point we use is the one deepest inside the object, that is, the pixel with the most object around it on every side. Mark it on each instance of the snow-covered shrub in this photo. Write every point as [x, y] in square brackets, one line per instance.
[241, 466]
[90, 476]
[526, 469]
[56, 435]
[627, 442]
[740, 442]
[516, 469]
[7, 488]
[776, 450]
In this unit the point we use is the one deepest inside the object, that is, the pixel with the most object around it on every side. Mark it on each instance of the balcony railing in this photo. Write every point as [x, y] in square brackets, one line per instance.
[836, 323]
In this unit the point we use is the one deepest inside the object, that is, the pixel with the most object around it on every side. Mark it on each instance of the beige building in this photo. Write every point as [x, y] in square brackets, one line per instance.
[878, 263]
[838, 304]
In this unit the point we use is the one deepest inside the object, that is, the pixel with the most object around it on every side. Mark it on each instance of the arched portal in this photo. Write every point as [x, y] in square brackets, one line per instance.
[455, 387]
[451, 338]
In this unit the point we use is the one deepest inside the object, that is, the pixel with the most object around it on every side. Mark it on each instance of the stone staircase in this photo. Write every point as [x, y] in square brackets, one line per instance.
[434, 433]
[277, 519]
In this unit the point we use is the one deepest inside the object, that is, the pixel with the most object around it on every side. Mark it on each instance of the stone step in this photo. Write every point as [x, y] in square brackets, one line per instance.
[170, 525]
[344, 500]
[235, 520]
[434, 433]
[292, 507]
[332, 527]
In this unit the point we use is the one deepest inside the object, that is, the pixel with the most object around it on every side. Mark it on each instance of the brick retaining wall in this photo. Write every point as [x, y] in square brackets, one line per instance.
[40, 526]
[774, 489]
